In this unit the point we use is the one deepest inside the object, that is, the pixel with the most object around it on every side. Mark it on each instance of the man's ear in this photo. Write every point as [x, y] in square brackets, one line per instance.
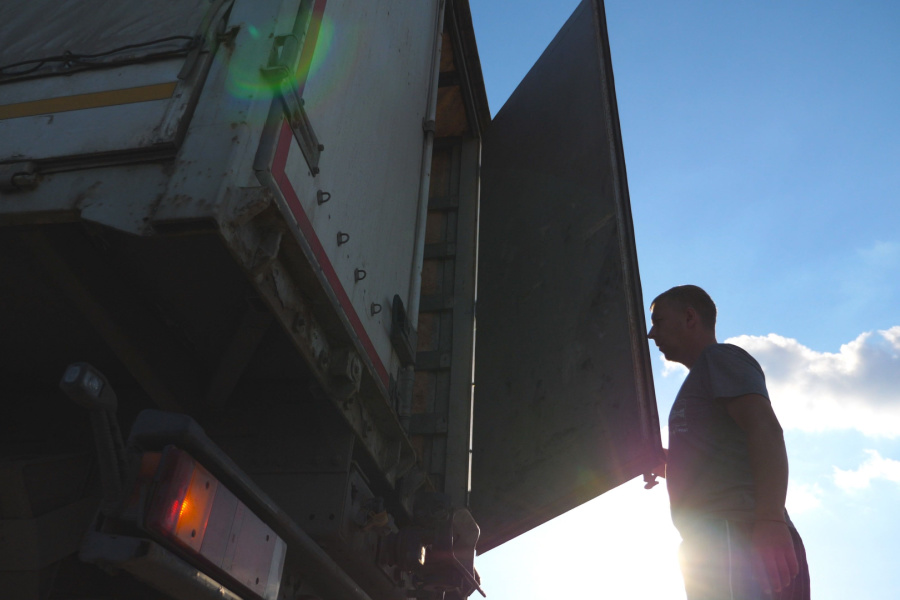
[691, 318]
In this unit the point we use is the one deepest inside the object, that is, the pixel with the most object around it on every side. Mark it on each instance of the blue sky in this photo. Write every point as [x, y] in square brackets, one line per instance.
[762, 142]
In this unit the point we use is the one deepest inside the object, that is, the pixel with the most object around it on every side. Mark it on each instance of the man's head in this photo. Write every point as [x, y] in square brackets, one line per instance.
[683, 323]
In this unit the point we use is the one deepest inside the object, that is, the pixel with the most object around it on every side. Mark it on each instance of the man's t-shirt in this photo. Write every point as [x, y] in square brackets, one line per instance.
[708, 472]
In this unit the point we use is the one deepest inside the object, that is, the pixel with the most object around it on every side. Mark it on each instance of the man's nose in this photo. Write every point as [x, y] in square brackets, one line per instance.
[651, 334]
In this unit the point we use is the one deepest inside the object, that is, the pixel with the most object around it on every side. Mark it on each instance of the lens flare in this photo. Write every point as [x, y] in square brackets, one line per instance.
[328, 60]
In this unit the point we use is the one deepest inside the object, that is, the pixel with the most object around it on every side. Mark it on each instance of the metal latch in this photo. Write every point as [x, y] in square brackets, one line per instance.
[280, 70]
[17, 177]
[284, 59]
[300, 125]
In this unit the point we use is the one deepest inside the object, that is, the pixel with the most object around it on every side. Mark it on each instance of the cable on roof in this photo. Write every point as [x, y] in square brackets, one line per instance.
[88, 60]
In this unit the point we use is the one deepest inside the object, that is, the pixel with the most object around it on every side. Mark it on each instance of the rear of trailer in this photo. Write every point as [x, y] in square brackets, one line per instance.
[242, 244]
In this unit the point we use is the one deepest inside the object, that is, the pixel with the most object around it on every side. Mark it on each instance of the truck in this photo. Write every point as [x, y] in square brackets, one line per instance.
[242, 245]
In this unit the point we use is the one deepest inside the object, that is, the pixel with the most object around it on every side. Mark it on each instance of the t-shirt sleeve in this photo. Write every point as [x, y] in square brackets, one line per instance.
[733, 372]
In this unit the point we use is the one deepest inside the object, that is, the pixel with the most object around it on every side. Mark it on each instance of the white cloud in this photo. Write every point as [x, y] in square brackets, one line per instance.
[672, 368]
[855, 388]
[874, 467]
[803, 497]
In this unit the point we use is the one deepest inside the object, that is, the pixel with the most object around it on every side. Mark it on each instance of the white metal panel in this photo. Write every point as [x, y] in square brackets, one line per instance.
[94, 78]
[88, 130]
[90, 194]
[366, 98]
[216, 156]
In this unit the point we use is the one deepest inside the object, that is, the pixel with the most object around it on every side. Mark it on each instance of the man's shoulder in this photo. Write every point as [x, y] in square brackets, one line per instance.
[717, 353]
[731, 359]
[730, 369]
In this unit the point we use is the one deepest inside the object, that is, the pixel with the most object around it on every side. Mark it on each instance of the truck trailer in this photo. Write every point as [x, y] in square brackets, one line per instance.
[284, 313]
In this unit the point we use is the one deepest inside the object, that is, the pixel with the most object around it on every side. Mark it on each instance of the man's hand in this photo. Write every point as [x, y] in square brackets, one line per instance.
[658, 471]
[775, 561]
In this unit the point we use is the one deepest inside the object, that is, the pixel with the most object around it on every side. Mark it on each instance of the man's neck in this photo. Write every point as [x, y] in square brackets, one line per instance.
[698, 350]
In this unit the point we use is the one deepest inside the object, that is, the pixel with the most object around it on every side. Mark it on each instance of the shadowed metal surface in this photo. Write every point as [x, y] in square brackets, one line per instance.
[564, 402]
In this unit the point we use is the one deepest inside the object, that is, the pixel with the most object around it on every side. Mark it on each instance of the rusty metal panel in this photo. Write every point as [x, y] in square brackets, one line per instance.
[564, 401]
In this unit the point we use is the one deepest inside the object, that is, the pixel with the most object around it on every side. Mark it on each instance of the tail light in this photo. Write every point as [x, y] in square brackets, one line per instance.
[189, 508]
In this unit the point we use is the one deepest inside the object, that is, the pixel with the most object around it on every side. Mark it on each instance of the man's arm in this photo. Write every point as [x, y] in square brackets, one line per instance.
[776, 560]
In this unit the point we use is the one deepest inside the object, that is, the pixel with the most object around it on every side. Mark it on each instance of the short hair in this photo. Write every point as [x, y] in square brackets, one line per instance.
[684, 296]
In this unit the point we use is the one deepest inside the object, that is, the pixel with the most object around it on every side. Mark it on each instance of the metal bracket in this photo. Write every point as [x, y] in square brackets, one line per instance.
[17, 177]
[90, 389]
[345, 367]
[300, 125]
[282, 58]
[280, 69]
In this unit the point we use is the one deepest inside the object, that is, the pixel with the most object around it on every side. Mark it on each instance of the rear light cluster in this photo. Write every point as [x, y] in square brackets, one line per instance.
[189, 508]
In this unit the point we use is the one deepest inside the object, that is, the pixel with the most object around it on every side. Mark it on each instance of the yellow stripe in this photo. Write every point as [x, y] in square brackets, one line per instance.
[159, 91]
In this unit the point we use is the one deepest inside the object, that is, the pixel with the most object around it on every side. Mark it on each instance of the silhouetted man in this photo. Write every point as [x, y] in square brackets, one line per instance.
[727, 468]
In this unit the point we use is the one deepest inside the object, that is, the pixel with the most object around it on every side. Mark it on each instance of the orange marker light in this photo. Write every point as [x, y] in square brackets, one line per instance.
[183, 500]
[189, 508]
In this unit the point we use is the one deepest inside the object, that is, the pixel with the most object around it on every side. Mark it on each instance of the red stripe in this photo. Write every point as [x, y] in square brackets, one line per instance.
[278, 164]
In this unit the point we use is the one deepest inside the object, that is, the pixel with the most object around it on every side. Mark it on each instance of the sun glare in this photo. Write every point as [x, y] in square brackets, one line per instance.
[620, 546]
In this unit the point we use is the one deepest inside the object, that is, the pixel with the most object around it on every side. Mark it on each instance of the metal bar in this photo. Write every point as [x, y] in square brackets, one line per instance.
[154, 565]
[415, 284]
[459, 411]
